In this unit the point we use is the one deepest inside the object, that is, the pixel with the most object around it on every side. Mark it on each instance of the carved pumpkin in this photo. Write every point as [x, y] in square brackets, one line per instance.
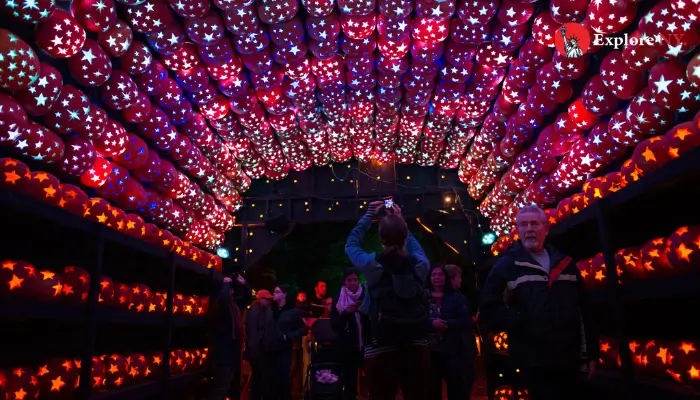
[203, 306]
[134, 226]
[13, 174]
[140, 297]
[578, 203]
[681, 139]
[190, 305]
[655, 259]
[157, 302]
[684, 249]
[106, 296]
[609, 353]
[116, 218]
[631, 172]
[629, 264]
[116, 368]
[154, 363]
[564, 209]
[504, 393]
[655, 359]
[48, 286]
[44, 186]
[684, 362]
[97, 210]
[179, 303]
[73, 199]
[19, 384]
[598, 271]
[638, 354]
[76, 283]
[500, 341]
[58, 378]
[178, 363]
[122, 295]
[651, 154]
[97, 372]
[137, 367]
[584, 267]
[17, 278]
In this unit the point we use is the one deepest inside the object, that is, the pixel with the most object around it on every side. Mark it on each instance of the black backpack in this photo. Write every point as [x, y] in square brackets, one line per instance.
[401, 309]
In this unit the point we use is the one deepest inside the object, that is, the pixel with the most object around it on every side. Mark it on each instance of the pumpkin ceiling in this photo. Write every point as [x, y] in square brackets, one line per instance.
[178, 105]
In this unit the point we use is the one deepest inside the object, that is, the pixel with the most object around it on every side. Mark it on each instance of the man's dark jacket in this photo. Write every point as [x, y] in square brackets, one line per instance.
[226, 323]
[547, 315]
[345, 326]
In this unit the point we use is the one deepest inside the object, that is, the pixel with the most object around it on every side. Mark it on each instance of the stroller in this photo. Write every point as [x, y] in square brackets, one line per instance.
[324, 377]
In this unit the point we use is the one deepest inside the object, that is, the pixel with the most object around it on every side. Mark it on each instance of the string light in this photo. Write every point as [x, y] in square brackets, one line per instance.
[222, 252]
[261, 216]
[408, 178]
[250, 233]
[295, 181]
[448, 199]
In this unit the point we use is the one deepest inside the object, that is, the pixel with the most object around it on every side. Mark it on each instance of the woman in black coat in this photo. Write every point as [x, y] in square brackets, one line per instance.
[452, 343]
[284, 328]
[349, 324]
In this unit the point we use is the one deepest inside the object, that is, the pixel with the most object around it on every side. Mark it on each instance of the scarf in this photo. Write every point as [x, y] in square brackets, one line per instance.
[346, 298]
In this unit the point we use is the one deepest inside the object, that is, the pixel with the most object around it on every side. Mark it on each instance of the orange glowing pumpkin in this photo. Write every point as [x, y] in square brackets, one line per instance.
[609, 353]
[97, 372]
[631, 172]
[19, 383]
[116, 218]
[45, 187]
[48, 286]
[157, 302]
[122, 295]
[13, 173]
[684, 249]
[681, 139]
[203, 306]
[137, 368]
[116, 369]
[58, 378]
[140, 297]
[655, 359]
[504, 393]
[651, 154]
[76, 283]
[178, 363]
[17, 278]
[629, 264]
[106, 296]
[154, 363]
[564, 209]
[179, 303]
[598, 271]
[73, 199]
[500, 341]
[655, 259]
[134, 226]
[97, 210]
[584, 267]
[684, 362]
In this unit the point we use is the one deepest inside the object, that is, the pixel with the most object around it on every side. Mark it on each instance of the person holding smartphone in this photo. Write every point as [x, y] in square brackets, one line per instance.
[227, 336]
[349, 324]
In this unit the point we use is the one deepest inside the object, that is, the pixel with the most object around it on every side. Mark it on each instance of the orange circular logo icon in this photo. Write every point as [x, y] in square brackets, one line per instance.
[572, 40]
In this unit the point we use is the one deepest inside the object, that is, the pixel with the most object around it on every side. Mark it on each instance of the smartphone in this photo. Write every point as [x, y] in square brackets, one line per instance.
[388, 203]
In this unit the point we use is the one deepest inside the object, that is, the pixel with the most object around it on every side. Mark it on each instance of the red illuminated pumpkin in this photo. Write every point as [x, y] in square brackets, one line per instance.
[58, 378]
[134, 226]
[631, 171]
[48, 286]
[504, 393]
[684, 362]
[157, 302]
[116, 368]
[97, 372]
[189, 306]
[655, 359]
[44, 186]
[140, 297]
[584, 267]
[578, 203]
[609, 353]
[20, 384]
[13, 174]
[136, 368]
[17, 278]
[154, 364]
[564, 209]
[122, 295]
[106, 296]
[651, 154]
[681, 139]
[638, 354]
[178, 363]
[97, 210]
[116, 218]
[629, 264]
[500, 341]
[655, 259]
[73, 199]
[76, 283]
[179, 303]
[598, 271]
[203, 306]
[684, 249]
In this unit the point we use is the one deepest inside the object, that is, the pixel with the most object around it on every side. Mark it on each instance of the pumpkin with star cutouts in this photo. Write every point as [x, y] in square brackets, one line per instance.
[655, 258]
[13, 173]
[17, 278]
[48, 286]
[58, 378]
[684, 249]
[19, 383]
[76, 283]
[73, 199]
[115, 371]
[106, 296]
[137, 368]
[684, 362]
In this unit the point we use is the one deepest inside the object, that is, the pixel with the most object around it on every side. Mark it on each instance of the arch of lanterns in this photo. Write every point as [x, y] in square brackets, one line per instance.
[212, 94]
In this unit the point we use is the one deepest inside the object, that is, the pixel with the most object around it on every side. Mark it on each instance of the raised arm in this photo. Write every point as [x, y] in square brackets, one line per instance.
[359, 258]
[494, 313]
[413, 248]
[243, 294]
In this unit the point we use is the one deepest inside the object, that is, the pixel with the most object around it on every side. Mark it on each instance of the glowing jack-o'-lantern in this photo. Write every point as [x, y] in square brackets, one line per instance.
[19, 384]
[73, 199]
[13, 174]
[76, 282]
[637, 353]
[684, 249]
[137, 368]
[500, 341]
[684, 362]
[58, 378]
[203, 306]
[504, 393]
[154, 363]
[178, 363]
[179, 303]
[45, 187]
[584, 267]
[629, 264]
[122, 295]
[140, 297]
[17, 278]
[598, 271]
[116, 218]
[654, 258]
[106, 296]
[190, 305]
[609, 353]
[97, 210]
[48, 286]
[97, 372]
[655, 358]
[157, 302]
[116, 368]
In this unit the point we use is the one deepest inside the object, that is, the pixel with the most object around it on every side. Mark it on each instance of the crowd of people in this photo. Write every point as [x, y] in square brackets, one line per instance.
[408, 326]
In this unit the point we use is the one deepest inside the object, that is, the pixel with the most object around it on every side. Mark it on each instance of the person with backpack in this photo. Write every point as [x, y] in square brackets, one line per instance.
[396, 348]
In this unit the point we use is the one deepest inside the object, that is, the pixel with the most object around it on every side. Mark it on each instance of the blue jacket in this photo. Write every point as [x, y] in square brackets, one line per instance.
[370, 268]
[458, 339]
